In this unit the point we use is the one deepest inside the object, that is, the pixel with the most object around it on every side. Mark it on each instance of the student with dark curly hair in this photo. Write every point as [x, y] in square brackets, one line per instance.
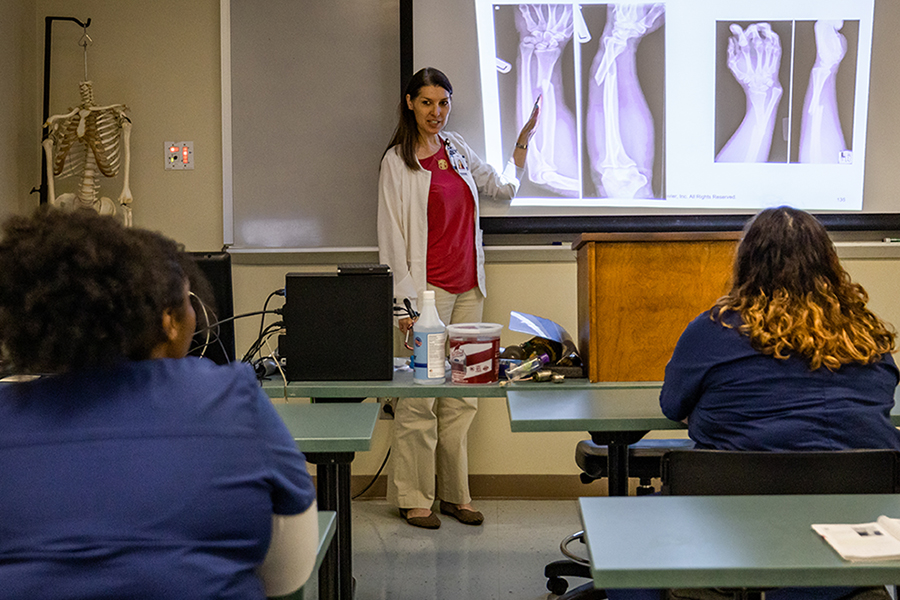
[128, 469]
[790, 359]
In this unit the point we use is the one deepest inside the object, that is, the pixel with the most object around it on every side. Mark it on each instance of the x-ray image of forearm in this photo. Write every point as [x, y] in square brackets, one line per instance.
[544, 31]
[620, 129]
[598, 136]
[619, 126]
[821, 132]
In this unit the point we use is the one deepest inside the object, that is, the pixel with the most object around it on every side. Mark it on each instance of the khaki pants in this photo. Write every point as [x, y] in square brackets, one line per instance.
[429, 456]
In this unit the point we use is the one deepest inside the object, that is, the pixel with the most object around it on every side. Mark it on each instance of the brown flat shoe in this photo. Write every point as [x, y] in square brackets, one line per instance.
[429, 522]
[467, 517]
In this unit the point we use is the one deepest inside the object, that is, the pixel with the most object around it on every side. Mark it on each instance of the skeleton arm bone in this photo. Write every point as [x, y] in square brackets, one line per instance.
[821, 135]
[47, 144]
[51, 122]
[125, 198]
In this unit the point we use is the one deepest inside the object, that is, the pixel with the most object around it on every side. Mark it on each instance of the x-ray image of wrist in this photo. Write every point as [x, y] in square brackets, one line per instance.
[821, 136]
[754, 58]
[619, 128]
[544, 30]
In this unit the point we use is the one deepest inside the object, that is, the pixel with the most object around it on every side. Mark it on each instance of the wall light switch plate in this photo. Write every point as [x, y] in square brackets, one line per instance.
[179, 156]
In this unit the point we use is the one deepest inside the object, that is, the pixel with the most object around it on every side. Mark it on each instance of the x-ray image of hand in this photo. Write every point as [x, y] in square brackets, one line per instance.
[619, 129]
[754, 58]
[544, 31]
[821, 136]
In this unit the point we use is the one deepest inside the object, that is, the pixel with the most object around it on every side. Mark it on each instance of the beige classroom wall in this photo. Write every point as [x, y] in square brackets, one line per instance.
[20, 150]
[546, 289]
[162, 60]
[881, 279]
[166, 70]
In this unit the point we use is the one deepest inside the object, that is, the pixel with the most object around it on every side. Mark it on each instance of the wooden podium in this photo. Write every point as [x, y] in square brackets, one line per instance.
[638, 291]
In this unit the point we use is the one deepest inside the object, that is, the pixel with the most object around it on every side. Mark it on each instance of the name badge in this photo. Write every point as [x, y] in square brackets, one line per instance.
[460, 165]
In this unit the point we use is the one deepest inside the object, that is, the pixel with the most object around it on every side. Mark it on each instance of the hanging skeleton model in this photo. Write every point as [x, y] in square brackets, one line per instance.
[88, 141]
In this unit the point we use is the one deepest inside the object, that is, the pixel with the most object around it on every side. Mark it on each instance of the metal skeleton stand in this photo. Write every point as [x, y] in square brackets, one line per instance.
[48, 44]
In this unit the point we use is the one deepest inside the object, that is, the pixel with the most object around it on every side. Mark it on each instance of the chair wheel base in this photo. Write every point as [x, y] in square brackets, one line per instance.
[586, 591]
[557, 585]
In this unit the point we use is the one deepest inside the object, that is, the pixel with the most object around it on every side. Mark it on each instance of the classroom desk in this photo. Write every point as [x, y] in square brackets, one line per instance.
[327, 528]
[728, 541]
[314, 438]
[616, 414]
[403, 386]
[330, 435]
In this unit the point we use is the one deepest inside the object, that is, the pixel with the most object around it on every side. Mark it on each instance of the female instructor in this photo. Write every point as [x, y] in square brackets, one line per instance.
[428, 233]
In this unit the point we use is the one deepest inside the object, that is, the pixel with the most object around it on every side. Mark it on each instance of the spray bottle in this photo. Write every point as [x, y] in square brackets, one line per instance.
[430, 338]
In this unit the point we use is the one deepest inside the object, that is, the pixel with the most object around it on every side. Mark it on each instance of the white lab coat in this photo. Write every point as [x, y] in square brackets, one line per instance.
[403, 211]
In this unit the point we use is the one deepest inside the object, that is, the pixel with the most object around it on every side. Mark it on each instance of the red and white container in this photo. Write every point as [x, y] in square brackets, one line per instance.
[474, 352]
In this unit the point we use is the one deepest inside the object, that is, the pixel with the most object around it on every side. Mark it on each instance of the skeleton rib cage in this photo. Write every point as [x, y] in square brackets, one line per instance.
[88, 142]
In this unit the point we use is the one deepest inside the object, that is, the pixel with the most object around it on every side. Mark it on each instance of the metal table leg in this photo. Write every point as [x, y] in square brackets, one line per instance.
[617, 443]
[333, 493]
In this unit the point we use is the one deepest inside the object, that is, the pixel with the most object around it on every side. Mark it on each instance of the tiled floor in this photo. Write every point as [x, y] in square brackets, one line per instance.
[501, 560]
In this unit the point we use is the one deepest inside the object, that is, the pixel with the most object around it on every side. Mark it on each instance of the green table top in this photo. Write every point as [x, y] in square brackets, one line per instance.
[338, 427]
[728, 541]
[574, 405]
[606, 406]
[403, 386]
[620, 406]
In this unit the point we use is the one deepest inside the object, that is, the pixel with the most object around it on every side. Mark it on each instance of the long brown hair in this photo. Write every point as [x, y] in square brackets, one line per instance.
[794, 297]
[406, 135]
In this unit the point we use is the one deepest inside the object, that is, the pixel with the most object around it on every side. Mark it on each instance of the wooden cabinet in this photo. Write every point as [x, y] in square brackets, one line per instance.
[638, 291]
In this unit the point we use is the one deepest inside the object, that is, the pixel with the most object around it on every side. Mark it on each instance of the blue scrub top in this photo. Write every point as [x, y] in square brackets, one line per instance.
[155, 479]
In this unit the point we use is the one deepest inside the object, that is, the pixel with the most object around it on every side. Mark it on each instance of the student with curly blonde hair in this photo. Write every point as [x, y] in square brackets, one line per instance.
[791, 358]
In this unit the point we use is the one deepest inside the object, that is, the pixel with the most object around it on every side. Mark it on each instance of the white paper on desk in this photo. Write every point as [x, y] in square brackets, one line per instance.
[864, 541]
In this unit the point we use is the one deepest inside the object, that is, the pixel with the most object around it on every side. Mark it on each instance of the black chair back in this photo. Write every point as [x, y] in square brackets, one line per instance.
[731, 473]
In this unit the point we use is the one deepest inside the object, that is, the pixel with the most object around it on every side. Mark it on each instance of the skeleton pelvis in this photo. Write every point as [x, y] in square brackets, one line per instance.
[104, 206]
